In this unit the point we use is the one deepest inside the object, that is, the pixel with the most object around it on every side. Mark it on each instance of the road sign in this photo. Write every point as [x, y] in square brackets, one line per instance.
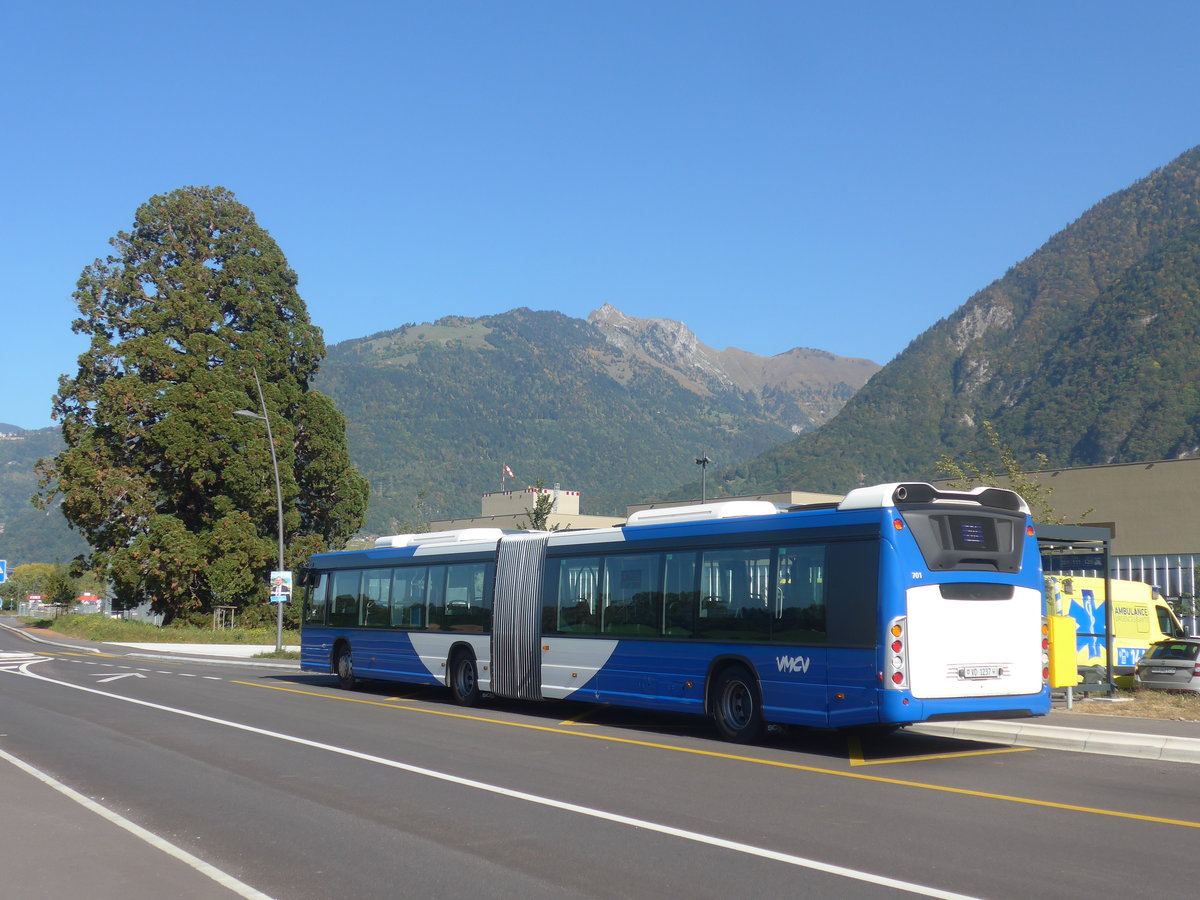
[3, 570]
[281, 587]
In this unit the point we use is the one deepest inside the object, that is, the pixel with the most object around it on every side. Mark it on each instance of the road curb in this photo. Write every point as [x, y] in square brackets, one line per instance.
[41, 640]
[293, 666]
[1133, 745]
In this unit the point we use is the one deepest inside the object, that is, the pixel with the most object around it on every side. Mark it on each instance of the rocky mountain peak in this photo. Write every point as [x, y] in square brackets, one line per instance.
[802, 387]
[663, 341]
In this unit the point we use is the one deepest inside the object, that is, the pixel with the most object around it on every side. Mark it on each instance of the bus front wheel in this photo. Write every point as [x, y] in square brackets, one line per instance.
[736, 707]
[464, 679]
[343, 667]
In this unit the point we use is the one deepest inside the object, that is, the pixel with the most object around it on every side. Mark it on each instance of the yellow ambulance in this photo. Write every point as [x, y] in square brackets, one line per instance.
[1140, 616]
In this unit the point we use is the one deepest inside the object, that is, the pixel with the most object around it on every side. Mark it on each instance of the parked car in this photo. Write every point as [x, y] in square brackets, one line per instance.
[1171, 665]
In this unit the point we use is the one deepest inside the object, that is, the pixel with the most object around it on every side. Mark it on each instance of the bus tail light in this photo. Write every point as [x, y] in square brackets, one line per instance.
[897, 655]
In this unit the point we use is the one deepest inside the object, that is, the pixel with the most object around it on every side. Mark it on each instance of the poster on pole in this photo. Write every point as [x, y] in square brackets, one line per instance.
[281, 587]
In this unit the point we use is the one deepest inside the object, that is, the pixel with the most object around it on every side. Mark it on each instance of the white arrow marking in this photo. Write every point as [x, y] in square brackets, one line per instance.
[126, 675]
[13, 662]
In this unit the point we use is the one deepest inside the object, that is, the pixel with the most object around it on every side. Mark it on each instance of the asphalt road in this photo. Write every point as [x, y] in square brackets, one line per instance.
[285, 785]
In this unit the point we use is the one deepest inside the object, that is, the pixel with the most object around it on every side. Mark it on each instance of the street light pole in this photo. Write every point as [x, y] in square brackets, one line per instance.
[702, 462]
[278, 494]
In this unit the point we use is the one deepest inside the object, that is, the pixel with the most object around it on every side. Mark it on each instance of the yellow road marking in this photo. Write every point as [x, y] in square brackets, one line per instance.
[854, 744]
[587, 713]
[778, 764]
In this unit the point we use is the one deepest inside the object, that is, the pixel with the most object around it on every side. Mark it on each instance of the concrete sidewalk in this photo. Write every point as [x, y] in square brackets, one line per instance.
[1167, 740]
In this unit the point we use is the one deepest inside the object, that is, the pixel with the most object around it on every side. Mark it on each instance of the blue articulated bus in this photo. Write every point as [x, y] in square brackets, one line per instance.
[900, 604]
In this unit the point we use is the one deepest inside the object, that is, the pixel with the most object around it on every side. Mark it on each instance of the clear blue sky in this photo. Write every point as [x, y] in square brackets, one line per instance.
[773, 174]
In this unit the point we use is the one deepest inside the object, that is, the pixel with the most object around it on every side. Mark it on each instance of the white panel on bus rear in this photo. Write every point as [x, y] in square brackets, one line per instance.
[974, 648]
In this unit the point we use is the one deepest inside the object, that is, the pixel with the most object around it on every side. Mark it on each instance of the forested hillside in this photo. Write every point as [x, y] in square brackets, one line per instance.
[28, 534]
[435, 410]
[1085, 351]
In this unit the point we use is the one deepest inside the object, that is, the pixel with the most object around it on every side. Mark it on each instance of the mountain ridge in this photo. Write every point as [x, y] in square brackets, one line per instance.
[998, 357]
[449, 402]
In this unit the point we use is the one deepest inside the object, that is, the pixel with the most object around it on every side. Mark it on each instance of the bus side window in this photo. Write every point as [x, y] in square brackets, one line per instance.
[681, 597]
[435, 609]
[467, 604]
[377, 595]
[632, 595]
[852, 592]
[799, 614]
[408, 597]
[346, 598]
[577, 598]
[314, 604]
[735, 593]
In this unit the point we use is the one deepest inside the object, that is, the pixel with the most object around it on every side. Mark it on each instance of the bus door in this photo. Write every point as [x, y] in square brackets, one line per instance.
[795, 675]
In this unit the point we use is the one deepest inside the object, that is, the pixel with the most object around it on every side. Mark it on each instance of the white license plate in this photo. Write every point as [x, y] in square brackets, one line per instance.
[979, 672]
[1162, 671]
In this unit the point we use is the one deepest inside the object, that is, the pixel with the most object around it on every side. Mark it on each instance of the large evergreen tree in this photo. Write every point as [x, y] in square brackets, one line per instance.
[174, 492]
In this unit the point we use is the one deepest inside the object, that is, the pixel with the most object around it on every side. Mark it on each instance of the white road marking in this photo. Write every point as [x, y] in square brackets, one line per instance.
[697, 837]
[222, 878]
[14, 661]
[126, 675]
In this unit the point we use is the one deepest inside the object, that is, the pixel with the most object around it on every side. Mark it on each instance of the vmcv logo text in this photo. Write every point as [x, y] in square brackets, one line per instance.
[793, 663]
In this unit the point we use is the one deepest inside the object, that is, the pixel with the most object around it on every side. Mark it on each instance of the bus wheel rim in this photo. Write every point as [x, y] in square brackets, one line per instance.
[738, 705]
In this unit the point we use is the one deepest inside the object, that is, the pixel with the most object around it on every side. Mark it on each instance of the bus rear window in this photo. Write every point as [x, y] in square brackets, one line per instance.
[973, 533]
[982, 591]
[967, 541]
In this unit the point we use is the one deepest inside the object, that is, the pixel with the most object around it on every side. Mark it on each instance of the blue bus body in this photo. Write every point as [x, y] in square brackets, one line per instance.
[901, 604]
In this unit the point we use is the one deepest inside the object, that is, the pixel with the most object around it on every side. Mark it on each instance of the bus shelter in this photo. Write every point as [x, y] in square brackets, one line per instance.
[1083, 551]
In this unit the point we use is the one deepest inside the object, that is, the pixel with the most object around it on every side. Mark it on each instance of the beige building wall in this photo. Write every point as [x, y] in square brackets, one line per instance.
[509, 503]
[1150, 507]
[515, 522]
[510, 510]
[1153, 508]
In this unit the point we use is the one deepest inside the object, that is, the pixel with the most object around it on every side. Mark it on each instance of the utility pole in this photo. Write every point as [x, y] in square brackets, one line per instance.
[702, 462]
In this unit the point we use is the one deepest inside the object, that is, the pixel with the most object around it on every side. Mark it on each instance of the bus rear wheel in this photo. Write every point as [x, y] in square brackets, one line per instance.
[464, 679]
[736, 707]
[343, 668]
